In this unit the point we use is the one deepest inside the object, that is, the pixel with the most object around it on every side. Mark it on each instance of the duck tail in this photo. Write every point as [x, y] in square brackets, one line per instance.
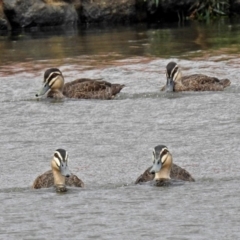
[116, 88]
[225, 82]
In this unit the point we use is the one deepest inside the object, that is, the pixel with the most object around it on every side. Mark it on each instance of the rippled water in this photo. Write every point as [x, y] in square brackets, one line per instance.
[110, 144]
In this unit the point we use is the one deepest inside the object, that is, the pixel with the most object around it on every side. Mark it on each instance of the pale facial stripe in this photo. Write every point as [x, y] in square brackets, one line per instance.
[66, 157]
[57, 161]
[174, 71]
[164, 149]
[51, 80]
[58, 158]
[163, 155]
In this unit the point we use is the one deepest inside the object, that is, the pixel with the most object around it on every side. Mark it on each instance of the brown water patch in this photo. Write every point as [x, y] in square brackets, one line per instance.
[82, 63]
[216, 55]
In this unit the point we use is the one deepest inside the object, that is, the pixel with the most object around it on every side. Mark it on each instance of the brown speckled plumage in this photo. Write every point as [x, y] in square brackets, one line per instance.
[177, 173]
[163, 182]
[46, 180]
[195, 82]
[91, 89]
[81, 88]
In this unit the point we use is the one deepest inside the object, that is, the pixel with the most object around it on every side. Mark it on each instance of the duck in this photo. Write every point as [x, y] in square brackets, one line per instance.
[60, 176]
[84, 88]
[196, 82]
[164, 171]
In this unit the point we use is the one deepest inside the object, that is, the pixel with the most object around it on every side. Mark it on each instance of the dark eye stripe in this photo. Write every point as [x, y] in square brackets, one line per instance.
[174, 71]
[163, 153]
[51, 80]
[57, 156]
[50, 77]
[54, 75]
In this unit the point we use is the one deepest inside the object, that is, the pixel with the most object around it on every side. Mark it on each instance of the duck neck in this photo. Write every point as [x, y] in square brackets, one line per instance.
[56, 93]
[59, 179]
[166, 169]
[163, 173]
[178, 77]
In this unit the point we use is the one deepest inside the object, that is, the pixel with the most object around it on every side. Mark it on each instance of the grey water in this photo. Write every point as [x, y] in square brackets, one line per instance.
[110, 142]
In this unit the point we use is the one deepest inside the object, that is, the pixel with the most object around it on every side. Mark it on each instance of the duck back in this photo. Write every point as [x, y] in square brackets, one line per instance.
[200, 82]
[91, 89]
[46, 180]
[177, 173]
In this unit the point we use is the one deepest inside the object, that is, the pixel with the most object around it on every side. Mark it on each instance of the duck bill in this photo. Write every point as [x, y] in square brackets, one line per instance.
[65, 171]
[156, 167]
[170, 85]
[43, 90]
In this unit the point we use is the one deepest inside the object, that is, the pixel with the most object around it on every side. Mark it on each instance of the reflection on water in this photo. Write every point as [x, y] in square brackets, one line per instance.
[117, 43]
[110, 142]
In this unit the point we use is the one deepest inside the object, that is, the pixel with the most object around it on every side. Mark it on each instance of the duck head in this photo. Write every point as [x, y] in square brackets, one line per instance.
[173, 75]
[162, 162]
[53, 80]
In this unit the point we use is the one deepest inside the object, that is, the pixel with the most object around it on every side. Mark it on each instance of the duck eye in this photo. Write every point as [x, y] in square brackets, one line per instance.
[54, 75]
[164, 152]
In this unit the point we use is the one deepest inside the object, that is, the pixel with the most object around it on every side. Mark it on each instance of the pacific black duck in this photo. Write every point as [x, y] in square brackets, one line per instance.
[59, 176]
[84, 88]
[196, 82]
[163, 169]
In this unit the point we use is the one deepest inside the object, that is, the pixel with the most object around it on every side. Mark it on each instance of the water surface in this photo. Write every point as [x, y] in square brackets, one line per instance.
[110, 142]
